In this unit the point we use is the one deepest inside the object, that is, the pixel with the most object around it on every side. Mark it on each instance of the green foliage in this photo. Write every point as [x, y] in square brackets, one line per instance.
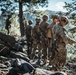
[71, 49]
[40, 13]
[15, 27]
[7, 7]
[71, 8]
[10, 6]
[71, 52]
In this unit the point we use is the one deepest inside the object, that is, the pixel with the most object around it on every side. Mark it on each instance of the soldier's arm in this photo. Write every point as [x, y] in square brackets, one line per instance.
[49, 26]
[65, 38]
[24, 22]
[46, 27]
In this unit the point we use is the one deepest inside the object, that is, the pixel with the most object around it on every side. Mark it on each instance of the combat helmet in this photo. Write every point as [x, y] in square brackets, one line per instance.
[65, 19]
[45, 17]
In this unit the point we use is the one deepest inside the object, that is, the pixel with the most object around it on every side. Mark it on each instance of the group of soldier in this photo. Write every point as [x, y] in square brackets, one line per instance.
[49, 40]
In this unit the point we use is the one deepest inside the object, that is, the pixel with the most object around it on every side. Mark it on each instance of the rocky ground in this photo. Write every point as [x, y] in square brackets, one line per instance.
[14, 59]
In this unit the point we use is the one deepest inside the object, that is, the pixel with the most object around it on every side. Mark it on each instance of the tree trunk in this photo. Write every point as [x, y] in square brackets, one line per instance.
[20, 18]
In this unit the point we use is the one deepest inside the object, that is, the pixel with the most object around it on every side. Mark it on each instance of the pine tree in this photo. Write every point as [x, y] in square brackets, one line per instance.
[8, 7]
[71, 8]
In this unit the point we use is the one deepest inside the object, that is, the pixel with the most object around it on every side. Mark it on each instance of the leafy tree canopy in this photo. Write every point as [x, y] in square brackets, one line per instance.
[10, 6]
[71, 8]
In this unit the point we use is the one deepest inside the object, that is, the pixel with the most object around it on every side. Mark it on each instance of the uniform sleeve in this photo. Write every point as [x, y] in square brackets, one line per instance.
[25, 23]
[46, 27]
[65, 38]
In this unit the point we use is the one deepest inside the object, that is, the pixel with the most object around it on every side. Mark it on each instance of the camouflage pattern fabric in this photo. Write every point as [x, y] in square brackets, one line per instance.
[60, 58]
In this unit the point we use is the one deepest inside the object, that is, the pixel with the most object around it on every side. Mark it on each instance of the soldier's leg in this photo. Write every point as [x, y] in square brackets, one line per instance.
[34, 47]
[40, 48]
[44, 48]
[28, 45]
[28, 49]
[39, 52]
[7, 30]
[62, 58]
[42, 44]
[54, 62]
[44, 52]
[49, 48]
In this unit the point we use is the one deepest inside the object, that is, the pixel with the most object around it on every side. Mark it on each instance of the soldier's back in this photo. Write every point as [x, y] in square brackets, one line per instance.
[28, 29]
[44, 26]
[57, 29]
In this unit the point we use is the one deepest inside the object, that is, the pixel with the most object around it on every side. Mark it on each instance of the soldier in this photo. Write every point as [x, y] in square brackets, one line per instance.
[8, 22]
[36, 37]
[61, 39]
[55, 19]
[24, 22]
[43, 28]
[29, 37]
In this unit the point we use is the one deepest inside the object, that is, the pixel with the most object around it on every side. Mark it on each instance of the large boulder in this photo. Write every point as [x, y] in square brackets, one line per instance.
[3, 58]
[4, 50]
[2, 66]
[1, 46]
[20, 67]
[46, 72]
[19, 55]
[9, 40]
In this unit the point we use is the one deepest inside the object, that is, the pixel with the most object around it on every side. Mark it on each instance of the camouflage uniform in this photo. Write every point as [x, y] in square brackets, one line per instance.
[36, 37]
[60, 57]
[43, 28]
[49, 36]
[29, 37]
[55, 19]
